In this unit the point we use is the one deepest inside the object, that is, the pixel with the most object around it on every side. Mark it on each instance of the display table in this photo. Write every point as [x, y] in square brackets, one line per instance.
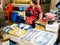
[44, 37]
[50, 39]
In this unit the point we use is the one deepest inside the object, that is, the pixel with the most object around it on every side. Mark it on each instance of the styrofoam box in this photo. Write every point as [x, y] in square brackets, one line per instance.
[4, 43]
[53, 27]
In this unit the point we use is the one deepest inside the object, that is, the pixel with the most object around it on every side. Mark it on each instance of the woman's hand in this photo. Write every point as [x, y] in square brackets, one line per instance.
[40, 16]
[24, 16]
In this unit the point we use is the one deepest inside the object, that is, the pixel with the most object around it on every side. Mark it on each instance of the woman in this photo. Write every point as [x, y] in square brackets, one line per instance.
[32, 13]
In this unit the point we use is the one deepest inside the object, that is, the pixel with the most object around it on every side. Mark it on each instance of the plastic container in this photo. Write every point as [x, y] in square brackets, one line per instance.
[14, 16]
[19, 19]
[21, 9]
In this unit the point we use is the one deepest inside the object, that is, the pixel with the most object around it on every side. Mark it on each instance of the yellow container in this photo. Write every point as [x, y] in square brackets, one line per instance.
[39, 27]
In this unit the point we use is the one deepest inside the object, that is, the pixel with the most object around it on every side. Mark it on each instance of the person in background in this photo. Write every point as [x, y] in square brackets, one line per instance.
[33, 13]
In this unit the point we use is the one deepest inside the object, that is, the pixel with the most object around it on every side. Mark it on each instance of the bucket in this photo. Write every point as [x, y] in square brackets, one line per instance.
[14, 16]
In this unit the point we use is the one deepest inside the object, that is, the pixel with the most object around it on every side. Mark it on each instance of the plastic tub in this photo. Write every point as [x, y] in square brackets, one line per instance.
[14, 16]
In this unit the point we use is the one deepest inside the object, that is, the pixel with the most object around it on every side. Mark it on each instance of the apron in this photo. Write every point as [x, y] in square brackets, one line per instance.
[31, 19]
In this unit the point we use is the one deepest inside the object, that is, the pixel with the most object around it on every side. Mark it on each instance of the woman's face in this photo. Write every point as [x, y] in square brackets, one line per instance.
[31, 3]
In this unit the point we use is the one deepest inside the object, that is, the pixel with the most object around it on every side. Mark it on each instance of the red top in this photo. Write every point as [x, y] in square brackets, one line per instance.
[9, 7]
[35, 12]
